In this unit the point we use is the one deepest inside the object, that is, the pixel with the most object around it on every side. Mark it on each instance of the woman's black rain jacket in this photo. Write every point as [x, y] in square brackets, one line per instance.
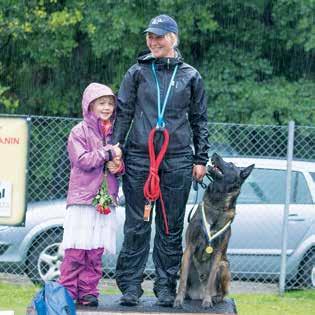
[185, 114]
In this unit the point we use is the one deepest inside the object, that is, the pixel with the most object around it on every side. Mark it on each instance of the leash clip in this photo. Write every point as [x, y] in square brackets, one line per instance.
[160, 126]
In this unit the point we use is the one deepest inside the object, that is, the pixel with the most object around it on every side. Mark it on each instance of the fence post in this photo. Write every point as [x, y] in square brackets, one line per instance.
[286, 209]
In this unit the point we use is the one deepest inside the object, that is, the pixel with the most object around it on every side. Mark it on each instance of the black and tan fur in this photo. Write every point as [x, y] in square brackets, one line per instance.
[207, 276]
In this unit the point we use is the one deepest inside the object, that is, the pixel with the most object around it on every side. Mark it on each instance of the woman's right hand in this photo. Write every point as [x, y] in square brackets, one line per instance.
[114, 166]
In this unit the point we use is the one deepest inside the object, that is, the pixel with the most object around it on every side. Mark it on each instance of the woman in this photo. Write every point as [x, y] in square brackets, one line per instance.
[163, 95]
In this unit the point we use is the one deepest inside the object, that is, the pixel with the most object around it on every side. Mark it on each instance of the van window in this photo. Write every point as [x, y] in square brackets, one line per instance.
[313, 175]
[267, 186]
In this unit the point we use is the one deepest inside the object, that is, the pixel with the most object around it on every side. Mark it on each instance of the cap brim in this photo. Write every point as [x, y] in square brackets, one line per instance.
[156, 31]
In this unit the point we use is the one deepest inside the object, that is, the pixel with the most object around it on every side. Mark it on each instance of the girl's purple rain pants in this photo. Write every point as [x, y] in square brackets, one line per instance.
[81, 271]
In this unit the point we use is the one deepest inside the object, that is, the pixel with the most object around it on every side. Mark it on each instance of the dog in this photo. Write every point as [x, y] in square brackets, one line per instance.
[204, 273]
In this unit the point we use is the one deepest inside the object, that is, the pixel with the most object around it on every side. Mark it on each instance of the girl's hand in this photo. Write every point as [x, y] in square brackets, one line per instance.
[118, 152]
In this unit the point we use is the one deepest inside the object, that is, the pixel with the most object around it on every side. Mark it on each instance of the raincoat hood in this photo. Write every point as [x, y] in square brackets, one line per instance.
[91, 93]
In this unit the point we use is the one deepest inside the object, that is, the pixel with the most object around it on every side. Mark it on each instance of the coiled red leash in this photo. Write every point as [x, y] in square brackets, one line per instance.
[152, 190]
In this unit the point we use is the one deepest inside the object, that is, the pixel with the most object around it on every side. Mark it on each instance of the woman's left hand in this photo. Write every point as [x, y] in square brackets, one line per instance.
[199, 171]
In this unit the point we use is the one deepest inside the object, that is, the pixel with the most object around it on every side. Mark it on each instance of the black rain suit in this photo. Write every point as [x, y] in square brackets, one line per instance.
[186, 120]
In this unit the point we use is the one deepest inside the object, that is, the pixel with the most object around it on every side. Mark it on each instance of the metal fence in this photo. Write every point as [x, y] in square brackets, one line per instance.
[257, 232]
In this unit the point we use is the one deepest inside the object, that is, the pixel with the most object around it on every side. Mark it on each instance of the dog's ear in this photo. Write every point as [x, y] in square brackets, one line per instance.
[246, 171]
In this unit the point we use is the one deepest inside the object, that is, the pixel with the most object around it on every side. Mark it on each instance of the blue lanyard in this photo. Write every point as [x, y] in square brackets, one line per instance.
[160, 121]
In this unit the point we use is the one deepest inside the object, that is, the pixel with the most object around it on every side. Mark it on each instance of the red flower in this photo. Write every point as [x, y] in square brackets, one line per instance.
[106, 210]
[99, 208]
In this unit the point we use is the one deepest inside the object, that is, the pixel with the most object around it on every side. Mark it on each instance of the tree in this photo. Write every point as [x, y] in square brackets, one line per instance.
[256, 57]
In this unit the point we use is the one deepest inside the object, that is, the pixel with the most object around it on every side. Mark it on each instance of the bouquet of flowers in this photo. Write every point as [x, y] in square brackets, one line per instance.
[103, 199]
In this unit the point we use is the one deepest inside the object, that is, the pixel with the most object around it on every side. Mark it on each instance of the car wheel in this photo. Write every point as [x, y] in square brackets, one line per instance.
[307, 270]
[44, 258]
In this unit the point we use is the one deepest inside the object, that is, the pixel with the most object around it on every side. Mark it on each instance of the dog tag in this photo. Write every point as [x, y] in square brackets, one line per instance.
[147, 212]
[209, 249]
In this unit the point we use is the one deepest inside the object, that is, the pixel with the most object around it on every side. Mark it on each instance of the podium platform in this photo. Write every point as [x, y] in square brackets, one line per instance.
[109, 305]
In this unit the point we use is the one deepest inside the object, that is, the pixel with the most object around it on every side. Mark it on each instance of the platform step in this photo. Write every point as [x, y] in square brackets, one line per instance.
[108, 304]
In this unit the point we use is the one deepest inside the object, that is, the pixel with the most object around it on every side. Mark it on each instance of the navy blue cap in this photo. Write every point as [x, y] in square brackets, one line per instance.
[162, 24]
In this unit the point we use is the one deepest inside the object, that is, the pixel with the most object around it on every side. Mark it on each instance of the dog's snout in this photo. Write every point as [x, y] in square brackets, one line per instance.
[214, 155]
[215, 158]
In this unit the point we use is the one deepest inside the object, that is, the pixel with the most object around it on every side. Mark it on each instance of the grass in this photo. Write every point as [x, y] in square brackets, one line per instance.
[17, 297]
[292, 303]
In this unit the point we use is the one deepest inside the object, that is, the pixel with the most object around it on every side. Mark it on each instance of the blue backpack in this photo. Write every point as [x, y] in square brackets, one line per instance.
[53, 299]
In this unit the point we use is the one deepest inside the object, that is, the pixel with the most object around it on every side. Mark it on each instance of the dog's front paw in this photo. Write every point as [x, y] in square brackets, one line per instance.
[178, 303]
[217, 299]
[207, 302]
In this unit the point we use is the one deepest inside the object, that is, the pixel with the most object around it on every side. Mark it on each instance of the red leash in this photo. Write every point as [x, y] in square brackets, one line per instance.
[151, 189]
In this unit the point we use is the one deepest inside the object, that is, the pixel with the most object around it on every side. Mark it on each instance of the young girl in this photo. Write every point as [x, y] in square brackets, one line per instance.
[89, 225]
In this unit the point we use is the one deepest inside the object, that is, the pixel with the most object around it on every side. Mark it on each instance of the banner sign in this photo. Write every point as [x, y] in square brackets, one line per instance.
[14, 141]
[5, 199]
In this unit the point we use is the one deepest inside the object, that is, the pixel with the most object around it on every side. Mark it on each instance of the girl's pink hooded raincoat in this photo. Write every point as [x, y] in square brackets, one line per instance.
[87, 152]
